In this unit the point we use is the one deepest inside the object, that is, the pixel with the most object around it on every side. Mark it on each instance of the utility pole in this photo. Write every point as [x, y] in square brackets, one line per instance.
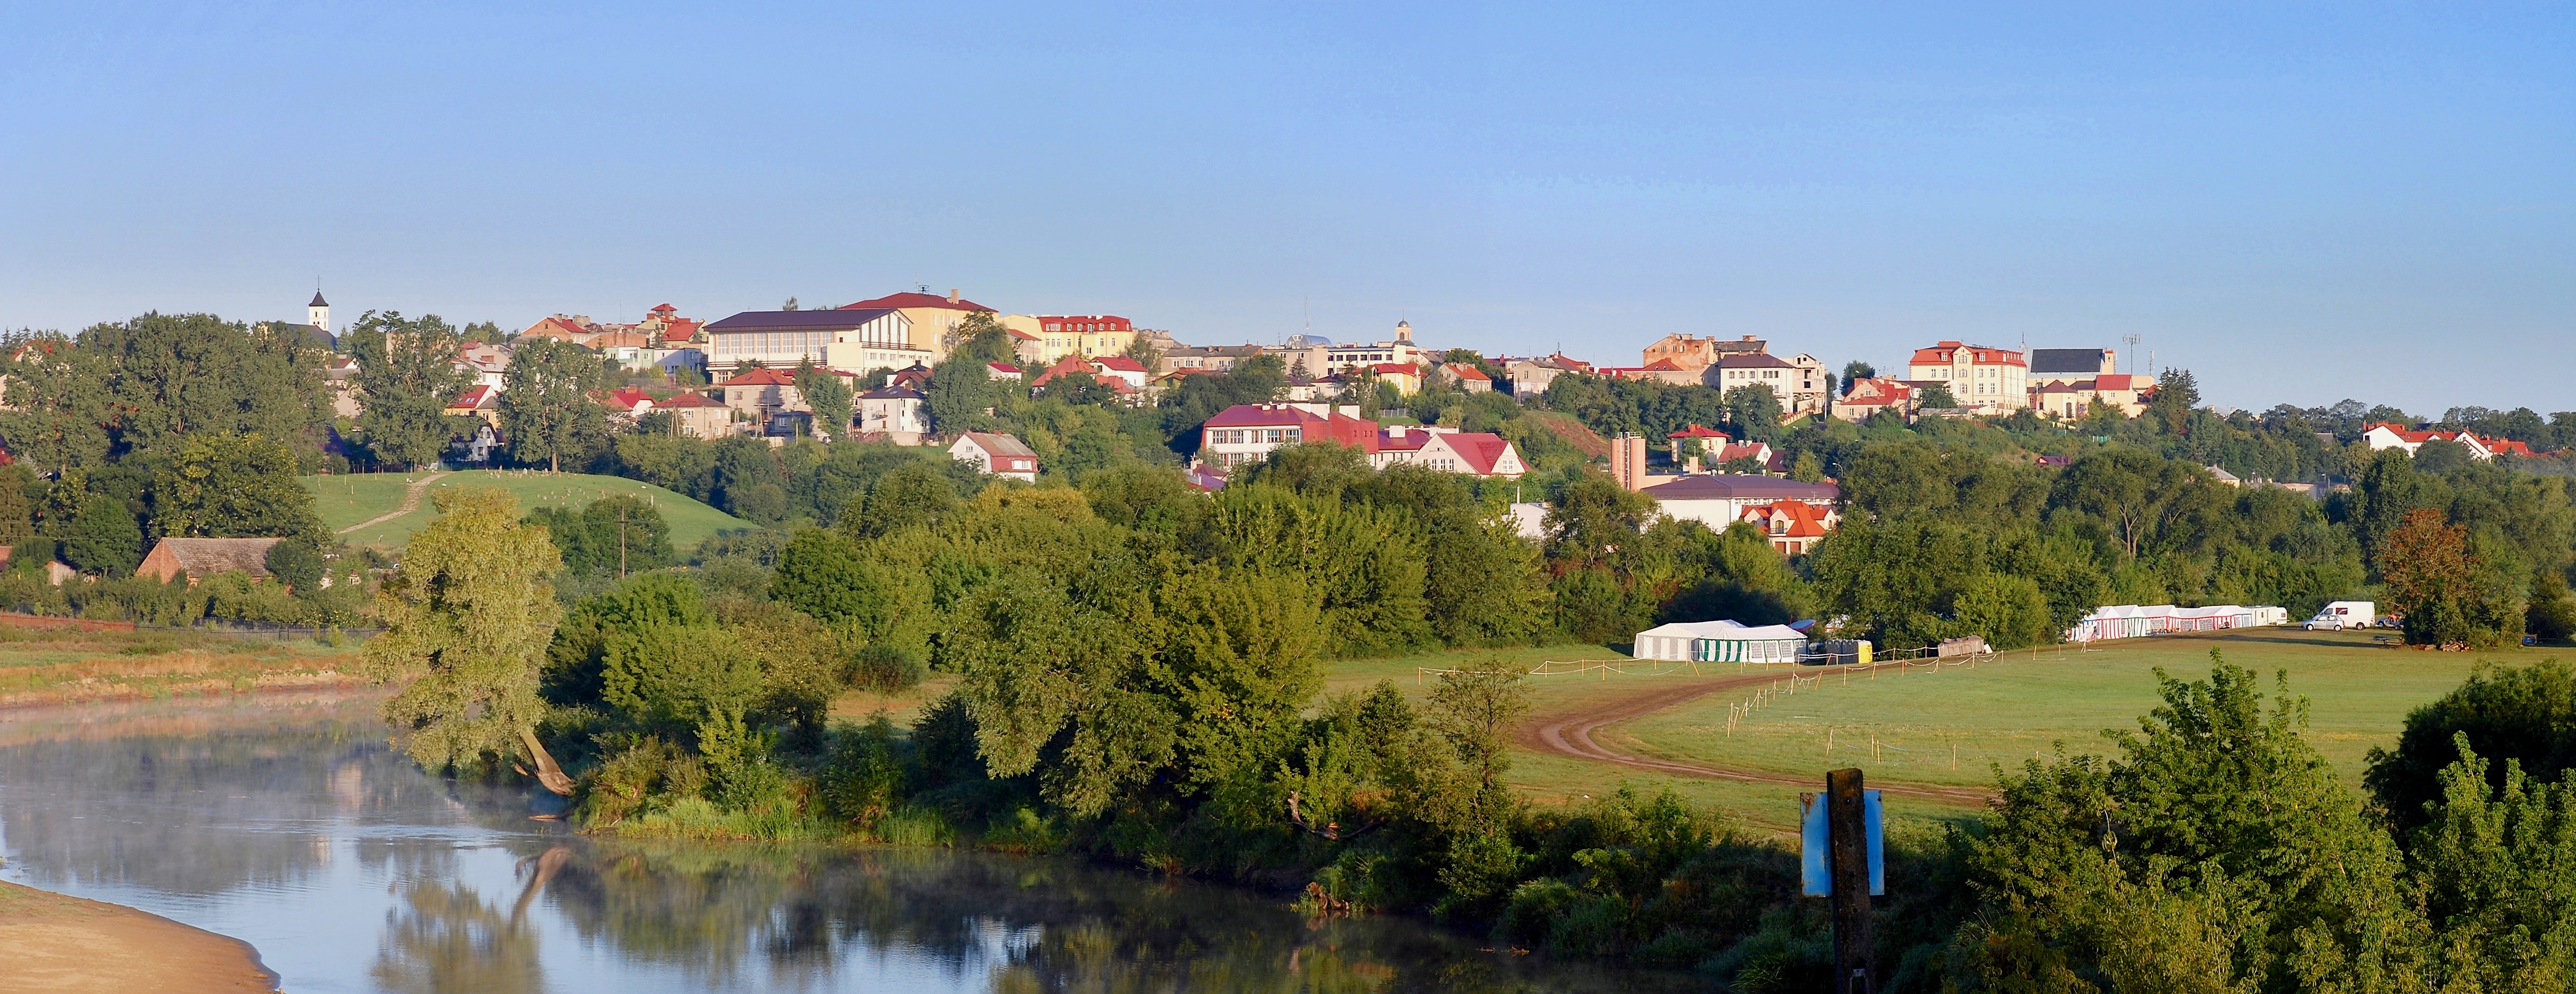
[1848, 860]
[621, 541]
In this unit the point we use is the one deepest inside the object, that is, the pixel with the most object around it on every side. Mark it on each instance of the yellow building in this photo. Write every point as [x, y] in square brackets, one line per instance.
[1981, 378]
[935, 319]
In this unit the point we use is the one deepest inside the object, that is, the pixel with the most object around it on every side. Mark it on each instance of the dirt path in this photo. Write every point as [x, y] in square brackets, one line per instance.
[64, 944]
[410, 503]
[1572, 734]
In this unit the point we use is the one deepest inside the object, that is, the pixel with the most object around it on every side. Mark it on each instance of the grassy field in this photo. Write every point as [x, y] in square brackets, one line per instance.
[1905, 729]
[62, 665]
[348, 500]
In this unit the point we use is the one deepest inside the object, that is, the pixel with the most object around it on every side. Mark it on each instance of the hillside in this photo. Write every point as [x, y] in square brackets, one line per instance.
[369, 508]
[1566, 427]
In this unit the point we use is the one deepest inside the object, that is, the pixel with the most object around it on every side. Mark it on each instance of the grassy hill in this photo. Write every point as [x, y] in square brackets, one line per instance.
[350, 501]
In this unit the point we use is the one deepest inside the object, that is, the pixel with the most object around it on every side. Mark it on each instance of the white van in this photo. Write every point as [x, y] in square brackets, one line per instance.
[2340, 615]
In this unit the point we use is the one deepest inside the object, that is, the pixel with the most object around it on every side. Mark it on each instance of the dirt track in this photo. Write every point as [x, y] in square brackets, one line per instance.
[1572, 734]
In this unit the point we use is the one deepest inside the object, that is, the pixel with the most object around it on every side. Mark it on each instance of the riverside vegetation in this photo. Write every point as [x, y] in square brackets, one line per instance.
[1137, 666]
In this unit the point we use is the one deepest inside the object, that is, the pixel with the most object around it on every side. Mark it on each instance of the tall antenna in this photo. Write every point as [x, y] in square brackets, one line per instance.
[2132, 342]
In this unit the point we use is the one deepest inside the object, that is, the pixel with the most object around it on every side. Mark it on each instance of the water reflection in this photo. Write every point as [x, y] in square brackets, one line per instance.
[352, 871]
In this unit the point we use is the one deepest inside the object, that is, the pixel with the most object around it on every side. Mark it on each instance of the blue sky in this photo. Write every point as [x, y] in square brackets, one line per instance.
[2300, 203]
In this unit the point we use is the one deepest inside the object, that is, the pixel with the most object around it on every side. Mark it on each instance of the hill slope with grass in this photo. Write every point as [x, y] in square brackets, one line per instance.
[381, 509]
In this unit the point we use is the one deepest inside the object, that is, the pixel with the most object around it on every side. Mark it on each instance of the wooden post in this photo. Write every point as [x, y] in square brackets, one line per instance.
[1849, 863]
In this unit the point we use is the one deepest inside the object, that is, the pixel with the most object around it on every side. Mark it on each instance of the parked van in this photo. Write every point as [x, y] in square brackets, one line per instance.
[2343, 614]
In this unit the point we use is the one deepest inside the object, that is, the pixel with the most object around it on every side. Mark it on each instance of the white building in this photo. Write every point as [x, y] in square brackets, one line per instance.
[1719, 642]
[1981, 378]
[896, 412]
[855, 340]
[1720, 499]
[997, 454]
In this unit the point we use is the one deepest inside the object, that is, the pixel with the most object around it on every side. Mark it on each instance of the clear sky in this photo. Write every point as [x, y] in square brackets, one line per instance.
[2299, 203]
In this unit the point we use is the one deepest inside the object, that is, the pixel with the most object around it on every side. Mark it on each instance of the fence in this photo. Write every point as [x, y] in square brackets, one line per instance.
[253, 630]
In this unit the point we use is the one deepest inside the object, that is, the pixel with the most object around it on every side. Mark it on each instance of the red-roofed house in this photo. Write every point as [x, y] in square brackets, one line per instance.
[1247, 433]
[1982, 378]
[1087, 336]
[1793, 526]
[934, 319]
[2389, 436]
[696, 415]
[1759, 452]
[1468, 378]
[478, 400]
[561, 327]
[1870, 395]
[631, 402]
[1121, 368]
[996, 454]
[1448, 450]
[1698, 438]
[1664, 370]
[1406, 376]
[1003, 371]
[762, 392]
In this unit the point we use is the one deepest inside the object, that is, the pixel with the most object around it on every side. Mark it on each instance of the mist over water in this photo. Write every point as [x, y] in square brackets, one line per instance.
[290, 824]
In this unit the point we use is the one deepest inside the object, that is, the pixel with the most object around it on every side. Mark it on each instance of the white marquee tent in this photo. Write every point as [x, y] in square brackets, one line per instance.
[1720, 642]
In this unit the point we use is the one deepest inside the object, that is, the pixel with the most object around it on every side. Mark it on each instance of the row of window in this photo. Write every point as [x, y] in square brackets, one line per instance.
[1253, 436]
[1081, 326]
[771, 344]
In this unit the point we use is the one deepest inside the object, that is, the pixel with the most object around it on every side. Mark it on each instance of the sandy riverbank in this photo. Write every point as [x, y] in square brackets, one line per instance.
[66, 944]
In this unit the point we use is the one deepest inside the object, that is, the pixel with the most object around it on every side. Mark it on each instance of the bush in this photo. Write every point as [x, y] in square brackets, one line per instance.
[886, 668]
[863, 777]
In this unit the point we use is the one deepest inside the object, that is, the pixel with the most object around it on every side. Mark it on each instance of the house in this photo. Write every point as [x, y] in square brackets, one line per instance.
[2223, 476]
[1407, 377]
[763, 392]
[625, 348]
[478, 401]
[199, 558]
[1760, 453]
[996, 454]
[476, 448]
[1719, 642]
[1984, 379]
[931, 322]
[1468, 378]
[631, 402]
[1697, 441]
[1211, 359]
[1793, 526]
[1661, 370]
[1083, 336]
[1692, 352]
[1448, 450]
[894, 412]
[1870, 395]
[1720, 499]
[2074, 399]
[1799, 385]
[1247, 433]
[697, 415]
[340, 375]
[1003, 371]
[1122, 369]
[915, 376]
[1320, 359]
[1530, 377]
[488, 364]
[839, 339]
[560, 327]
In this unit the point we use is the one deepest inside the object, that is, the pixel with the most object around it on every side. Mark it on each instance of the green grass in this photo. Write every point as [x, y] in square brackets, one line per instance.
[347, 500]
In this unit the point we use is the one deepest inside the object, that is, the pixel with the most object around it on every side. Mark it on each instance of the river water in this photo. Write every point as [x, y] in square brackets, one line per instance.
[289, 823]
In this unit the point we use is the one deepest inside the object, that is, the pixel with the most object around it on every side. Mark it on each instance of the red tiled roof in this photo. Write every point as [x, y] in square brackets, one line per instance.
[1481, 449]
[762, 377]
[1941, 354]
[1396, 369]
[664, 309]
[1342, 428]
[629, 398]
[687, 398]
[1120, 363]
[1466, 372]
[1696, 431]
[910, 299]
[1804, 520]
[471, 399]
[1003, 367]
[1066, 366]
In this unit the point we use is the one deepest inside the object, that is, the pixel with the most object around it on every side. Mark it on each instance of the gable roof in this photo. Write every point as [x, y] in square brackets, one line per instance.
[209, 556]
[1120, 363]
[843, 319]
[1466, 371]
[1696, 430]
[910, 299]
[630, 398]
[687, 398]
[897, 392]
[761, 377]
[998, 444]
[1804, 520]
[474, 398]
[1753, 360]
[1943, 353]
[1731, 486]
[1481, 450]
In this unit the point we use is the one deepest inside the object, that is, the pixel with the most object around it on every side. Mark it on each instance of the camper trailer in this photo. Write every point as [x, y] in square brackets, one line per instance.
[2340, 615]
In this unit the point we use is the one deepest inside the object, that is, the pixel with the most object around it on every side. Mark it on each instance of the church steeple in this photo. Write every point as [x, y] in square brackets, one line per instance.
[318, 313]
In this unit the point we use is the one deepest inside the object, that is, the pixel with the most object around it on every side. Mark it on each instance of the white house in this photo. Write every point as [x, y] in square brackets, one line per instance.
[1720, 499]
[896, 412]
[997, 454]
[1448, 450]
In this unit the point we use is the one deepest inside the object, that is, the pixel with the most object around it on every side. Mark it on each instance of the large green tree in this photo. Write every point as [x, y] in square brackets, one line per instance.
[407, 376]
[467, 618]
[143, 384]
[547, 412]
[233, 486]
[828, 395]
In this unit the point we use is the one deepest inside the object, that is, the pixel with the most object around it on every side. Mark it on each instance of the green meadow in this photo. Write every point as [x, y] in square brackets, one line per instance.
[348, 500]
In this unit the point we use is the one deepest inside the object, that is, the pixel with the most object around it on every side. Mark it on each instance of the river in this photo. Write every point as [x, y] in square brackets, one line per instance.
[289, 823]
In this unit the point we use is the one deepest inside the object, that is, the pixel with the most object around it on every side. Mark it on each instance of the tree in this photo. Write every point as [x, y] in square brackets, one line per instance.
[828, 395]
[2445, 592]
[408, 374]
[1593, 518]
[297, 562]
[233, 486]
[468, 616]
[2552, 614]
[1935, 396]
[546, 407]
[612, 536]
[2440, 455]
[2009, 611]
[1807, 469]
[1856, 370]
[141, 385]
[1754, 410]
[104, 540]
[2177, 393]
[2525, 715]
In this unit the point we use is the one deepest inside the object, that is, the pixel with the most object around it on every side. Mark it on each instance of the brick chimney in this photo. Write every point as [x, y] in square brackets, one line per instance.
[952, 295]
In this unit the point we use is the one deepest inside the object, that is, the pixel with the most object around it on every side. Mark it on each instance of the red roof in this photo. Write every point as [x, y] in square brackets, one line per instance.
[1466, 372]
[1481, 449]
[629, 398]
[761, 377]
[472, 398]
[1696, 431]
[1066, 366]
[1120, 363]
[1942, 354]
[1003, 367]
[1802, 520]
[664, 309]
[1342, 428]
[1396, 369]
[910, 299]
[686, 398]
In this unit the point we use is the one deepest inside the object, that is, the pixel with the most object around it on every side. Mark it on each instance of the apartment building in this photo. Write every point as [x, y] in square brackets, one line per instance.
[1982, 378]
[856, 340]
[931, 322]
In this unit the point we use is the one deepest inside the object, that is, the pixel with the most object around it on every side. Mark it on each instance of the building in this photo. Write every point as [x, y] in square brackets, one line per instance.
[1871, 395]
[895, 413]
[2389, 436]
[1530, 377]
[630, 402]
[1466, 377]
[1693, 352]
[1004, 371]
[1719, 642]
[1204, 358]
[2070, 365]
[1125, 382]
[1247, 433]
[696, 415]
[2074, 399]
[340, 375]
[1719, 500]
[477, 448]
[1662, 370]
[763, 393]
[840, 339]
[996, 454]
[1983, 378]
[932, 321]
[1793, 526]
[477, 401]
[199, 558]
[1448, 450]
[488, 364]
[560, 327]
[1323, 359]
[1083, 335]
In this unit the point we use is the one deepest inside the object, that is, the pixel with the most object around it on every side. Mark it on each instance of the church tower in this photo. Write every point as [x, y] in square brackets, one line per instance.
[1403, 330]
[318, 313]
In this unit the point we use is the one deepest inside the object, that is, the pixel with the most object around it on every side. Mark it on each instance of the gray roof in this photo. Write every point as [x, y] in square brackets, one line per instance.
[892, 393]
[1754, 360]
[1001, 445]
[209, 556]
[318, 301]
[2085, 361]
[833, 320]
[1732, 486]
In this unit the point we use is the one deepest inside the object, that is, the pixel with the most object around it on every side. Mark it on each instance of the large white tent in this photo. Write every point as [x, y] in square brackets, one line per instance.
[1720, 642]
